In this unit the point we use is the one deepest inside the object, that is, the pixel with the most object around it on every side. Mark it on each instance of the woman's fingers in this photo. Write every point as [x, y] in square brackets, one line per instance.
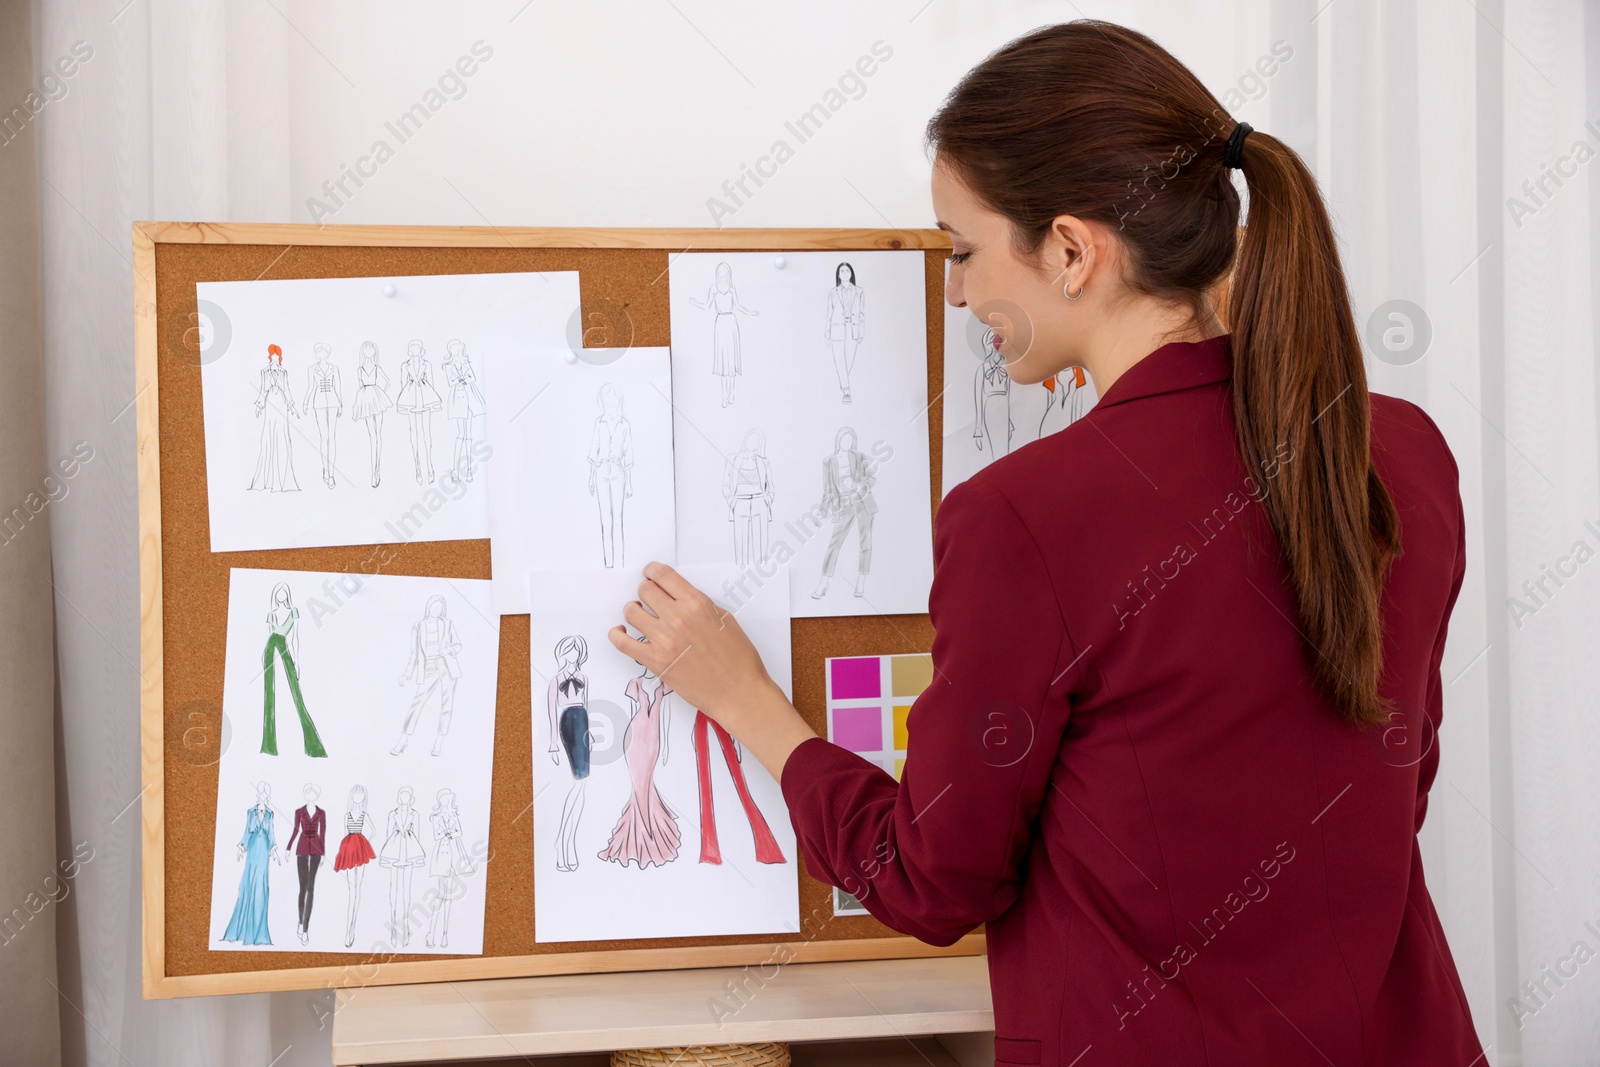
[675, 584]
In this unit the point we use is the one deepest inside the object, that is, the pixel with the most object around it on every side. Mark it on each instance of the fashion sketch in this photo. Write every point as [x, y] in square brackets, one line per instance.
[419, 399]
[274, 407]
[306, 842]
[433, 665]
[747, 488]
[847, 482]
[1065, 405]
[466, 403]
[847, 322]
[611, 471]
[723, 300]
[567, 701]
[283, 645]
[449, 863]
[324, 400]
[372, 400]
[767, 849]
[402, 853]
[355, 852]
[258, 847]
[991, 401]
[647, 832]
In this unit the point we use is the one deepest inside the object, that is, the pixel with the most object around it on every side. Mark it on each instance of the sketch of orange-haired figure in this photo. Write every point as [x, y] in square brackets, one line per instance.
[1067, 401]
[274, 406]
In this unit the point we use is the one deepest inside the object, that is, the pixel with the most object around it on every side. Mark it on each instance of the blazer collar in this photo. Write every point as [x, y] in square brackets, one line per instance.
[1175, 366]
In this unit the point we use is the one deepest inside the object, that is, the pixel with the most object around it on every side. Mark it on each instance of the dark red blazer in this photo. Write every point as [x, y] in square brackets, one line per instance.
[309, 829]
[1123, 767]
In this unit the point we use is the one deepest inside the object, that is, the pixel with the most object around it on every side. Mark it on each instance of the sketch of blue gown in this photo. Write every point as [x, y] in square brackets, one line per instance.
[249, 922]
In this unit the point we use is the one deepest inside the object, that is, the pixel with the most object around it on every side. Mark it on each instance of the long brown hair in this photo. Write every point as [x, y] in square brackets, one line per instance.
[1098, 121]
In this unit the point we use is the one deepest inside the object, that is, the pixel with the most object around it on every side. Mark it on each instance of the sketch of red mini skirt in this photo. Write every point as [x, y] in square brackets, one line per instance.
[354, 851]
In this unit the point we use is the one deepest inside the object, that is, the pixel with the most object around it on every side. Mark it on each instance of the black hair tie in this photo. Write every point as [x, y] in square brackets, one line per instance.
[1230, 155]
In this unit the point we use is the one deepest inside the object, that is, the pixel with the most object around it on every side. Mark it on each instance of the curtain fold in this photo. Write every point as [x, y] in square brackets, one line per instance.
[32, 886]
[1437, 130]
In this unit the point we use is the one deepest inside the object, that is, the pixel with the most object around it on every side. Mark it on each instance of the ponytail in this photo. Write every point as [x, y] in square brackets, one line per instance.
[1095, 120]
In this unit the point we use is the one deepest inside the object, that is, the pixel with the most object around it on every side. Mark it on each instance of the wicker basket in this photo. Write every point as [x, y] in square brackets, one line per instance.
[767, 1054]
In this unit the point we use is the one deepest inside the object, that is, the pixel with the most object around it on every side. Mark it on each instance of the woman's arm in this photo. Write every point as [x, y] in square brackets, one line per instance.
[942, 850]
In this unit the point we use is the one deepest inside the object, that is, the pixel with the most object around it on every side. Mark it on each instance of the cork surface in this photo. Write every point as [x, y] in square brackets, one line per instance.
[625, 301]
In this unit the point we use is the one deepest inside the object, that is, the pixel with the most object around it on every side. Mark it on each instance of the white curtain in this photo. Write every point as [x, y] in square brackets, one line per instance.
[1422, 118]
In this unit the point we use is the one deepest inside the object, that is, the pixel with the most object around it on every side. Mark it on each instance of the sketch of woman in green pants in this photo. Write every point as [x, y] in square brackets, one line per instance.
[284, 643]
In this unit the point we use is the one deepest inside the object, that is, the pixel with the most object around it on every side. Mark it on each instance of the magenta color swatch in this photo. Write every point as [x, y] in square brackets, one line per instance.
[858, 729]
[856, 678]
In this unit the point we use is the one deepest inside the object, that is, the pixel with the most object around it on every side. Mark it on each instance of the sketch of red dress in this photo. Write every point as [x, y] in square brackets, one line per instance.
[647, 832]
[767, 850]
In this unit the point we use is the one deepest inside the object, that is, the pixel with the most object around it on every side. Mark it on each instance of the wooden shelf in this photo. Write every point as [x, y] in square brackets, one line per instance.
[596, 1013]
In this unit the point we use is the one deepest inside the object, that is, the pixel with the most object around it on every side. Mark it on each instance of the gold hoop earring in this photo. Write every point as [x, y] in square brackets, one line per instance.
[1068, 295]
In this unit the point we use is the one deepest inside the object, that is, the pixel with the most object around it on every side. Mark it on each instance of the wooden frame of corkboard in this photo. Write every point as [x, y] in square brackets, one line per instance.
[183, 594]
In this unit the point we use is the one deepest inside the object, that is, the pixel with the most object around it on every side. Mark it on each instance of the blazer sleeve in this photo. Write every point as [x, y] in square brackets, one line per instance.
[944, 849]
[1429, 766]
[294, 832]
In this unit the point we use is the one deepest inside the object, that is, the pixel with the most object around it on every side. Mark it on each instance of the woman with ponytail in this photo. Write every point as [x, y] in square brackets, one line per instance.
[1183, 723]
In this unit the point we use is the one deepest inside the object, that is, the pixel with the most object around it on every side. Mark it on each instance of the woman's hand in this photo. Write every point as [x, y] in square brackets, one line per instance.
[700, 650]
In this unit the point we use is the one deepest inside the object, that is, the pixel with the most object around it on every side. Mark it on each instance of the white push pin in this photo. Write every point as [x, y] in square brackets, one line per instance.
[571, 357]
[779, 262]
[388, 289]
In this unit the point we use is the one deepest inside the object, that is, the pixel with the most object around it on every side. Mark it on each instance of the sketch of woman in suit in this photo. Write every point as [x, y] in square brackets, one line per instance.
[419, 399]
[647, 831]
[274, 406]
[435, 668]
[747, 488]
[402, 853]
[991, 401]
[611, 471]
[466, 402]
[449, 863]
[722, 298]
[372, 400]
[847, 322]
[324, 399]
[567, 702]
[257, 848]
[283, 644]
[355, 852]
[847, 482]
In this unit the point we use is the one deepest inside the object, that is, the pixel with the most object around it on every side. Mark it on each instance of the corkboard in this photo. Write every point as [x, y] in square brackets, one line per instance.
[184, 597]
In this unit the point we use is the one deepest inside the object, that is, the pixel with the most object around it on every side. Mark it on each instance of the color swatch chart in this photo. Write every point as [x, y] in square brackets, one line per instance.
[869, 698]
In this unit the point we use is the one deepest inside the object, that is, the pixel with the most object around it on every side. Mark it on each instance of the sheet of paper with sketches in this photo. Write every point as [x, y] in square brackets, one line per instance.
[581, 474]
[357, 754]
[649, 821]
[338, 415]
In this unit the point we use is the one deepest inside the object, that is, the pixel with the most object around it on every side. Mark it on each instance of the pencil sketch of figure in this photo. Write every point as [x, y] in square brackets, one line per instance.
[647, 831]
[419, 399]
[466, 402]
[448, 865]
[847, 323]
[433, 665]
[324, 400]
[747, 488]
[1066, 403]
[258, 847]
[722, 298]
[355, 852]
[372, 400]
[611, 471]
[567, 702]
[283, 645]
[402, 854]
[274, 407]
[847, 481]
[310, 831]
[767, 848]
[991, 401]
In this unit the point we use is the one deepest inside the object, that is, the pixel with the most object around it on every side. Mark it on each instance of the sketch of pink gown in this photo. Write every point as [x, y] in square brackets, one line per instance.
[647, 832]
